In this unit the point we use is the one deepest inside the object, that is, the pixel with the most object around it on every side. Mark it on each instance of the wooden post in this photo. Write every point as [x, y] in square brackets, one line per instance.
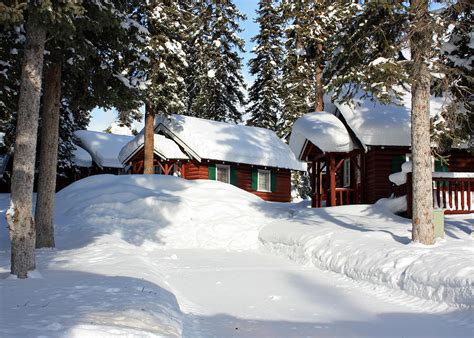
[313, 178]
[318, 184]
[332, 179]
[409, 195]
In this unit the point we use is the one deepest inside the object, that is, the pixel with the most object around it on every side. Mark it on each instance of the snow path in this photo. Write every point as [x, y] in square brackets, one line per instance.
[226, 294]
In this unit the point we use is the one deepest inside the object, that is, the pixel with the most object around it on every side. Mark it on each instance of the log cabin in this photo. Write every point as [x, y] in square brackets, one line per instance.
[352, 149]
[253, 159]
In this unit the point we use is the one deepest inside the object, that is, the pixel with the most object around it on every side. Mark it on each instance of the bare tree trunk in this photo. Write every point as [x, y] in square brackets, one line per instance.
[19, 216]
[420, 43]
[148, 167]
[44, 214]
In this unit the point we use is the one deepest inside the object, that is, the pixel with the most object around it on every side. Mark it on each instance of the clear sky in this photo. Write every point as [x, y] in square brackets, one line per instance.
[101, 119]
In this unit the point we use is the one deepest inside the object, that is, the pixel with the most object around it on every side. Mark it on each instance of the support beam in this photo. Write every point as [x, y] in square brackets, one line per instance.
[314, 182]
[332, 180]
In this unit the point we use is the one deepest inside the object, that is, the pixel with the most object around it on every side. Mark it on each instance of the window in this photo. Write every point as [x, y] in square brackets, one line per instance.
[223, 173]
[264, 180]
[347, 173]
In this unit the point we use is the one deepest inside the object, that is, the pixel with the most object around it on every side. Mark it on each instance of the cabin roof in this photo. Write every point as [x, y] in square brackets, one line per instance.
[378, 124]
[163, 147]
[103, 147]
[220, 141]
[81, 157]
[324, 130]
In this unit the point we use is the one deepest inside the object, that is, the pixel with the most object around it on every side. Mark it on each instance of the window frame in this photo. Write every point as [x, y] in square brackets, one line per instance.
[269, 173]
[223, 166]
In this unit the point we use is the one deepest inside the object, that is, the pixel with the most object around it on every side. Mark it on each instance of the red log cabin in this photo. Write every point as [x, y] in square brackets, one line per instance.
[351, 150]
[253, 159]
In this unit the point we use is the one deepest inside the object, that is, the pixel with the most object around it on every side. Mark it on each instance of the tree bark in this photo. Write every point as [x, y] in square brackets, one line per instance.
[44, 213]
[19, 216]
[148, 167]
[319, 104]
[420, 43]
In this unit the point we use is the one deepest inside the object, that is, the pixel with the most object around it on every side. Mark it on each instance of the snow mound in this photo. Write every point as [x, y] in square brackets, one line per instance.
[369, 243]
[158, 210]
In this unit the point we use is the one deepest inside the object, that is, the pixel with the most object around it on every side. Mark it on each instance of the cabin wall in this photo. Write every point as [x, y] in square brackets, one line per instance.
[461, 161]
[194, 170]
[378, 166]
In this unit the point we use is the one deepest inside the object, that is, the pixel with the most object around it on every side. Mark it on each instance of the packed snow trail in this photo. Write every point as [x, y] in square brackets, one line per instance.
[247, 294]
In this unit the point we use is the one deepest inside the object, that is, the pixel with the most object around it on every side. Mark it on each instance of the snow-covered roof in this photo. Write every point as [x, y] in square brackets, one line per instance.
[212, 140]
[322, 129]
[81, 157]
[375, 123]
[103, 147]
[163, 147]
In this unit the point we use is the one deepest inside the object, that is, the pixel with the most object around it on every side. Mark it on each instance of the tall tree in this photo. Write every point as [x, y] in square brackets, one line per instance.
[218, 78]
[264, 95]
[399, 51]
[165, 92]
[19, 216]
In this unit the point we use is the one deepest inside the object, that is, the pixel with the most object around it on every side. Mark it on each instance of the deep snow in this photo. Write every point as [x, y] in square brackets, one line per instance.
[156, 255]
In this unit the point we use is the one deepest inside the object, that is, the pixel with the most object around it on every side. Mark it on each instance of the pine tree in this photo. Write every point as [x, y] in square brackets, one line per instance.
[19, 216]
[399, 51]
[218, 81]
[264, 95]
[166, 89]
[308, 47]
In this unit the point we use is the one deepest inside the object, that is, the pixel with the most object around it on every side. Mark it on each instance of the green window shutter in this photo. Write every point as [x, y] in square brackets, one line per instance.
[441, 166]
[397, 162]
[254, 179]
[211, 169]
[233, 176]
[273, 183]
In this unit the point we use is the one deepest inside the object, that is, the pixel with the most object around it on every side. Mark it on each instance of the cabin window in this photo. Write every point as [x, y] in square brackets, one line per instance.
[157, 169]
[347, 173]
[264, 180]
[223, 173]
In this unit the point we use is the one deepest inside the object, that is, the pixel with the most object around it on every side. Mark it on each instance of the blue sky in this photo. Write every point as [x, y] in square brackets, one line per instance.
[101, 119]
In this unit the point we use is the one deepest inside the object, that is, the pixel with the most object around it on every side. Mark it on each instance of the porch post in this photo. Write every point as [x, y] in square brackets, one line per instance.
[313, 184]
[318, 184]
[332, 179]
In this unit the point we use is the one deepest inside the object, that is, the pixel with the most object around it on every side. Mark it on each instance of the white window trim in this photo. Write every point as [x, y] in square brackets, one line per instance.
[258, 179]
[223, 166]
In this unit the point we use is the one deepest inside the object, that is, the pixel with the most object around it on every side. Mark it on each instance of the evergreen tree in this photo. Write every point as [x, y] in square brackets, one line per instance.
[165, 93]
[218, 81]
[264, 94]
[399, 51]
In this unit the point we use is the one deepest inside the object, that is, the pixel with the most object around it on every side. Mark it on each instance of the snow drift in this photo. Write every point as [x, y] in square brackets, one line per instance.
[370, 243]
[165, 211]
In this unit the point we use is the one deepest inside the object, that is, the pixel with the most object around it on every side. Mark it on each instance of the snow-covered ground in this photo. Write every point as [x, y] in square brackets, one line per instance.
[155, 255]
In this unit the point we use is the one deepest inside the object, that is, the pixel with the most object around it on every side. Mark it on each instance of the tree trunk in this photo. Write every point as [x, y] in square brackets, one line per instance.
[44, 214]
[319, 104]
[19, 216]
[148, 167]
[420, 43]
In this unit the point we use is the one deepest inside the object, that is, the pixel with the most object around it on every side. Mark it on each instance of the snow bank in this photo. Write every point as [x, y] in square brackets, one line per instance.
[322, 129]
[369, 243]
[213, 140]
[161, 211]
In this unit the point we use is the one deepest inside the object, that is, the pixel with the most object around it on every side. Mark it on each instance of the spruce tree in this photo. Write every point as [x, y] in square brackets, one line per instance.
[218, 81]
[264, 95]
[165, 93]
